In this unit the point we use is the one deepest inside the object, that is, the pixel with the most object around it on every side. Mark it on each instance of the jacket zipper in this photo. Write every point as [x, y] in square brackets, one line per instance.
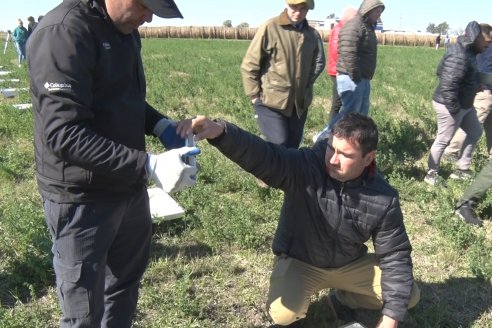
[339, 221]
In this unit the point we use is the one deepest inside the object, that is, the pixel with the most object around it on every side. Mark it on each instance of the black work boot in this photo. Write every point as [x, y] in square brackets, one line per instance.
[466, 212]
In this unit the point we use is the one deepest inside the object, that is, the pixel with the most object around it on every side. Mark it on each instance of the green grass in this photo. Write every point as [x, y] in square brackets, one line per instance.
[211, 268]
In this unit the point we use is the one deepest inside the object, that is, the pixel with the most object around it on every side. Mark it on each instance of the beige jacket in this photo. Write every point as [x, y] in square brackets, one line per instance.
[279, 65]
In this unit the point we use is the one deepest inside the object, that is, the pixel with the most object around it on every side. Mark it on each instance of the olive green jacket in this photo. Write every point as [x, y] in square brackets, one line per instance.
[280, 65]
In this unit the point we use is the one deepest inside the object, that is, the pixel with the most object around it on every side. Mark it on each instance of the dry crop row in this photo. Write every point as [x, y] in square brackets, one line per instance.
[232, 33]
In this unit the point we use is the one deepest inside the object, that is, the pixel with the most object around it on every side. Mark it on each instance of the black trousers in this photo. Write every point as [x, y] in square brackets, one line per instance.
[280, 129]
[100, 252]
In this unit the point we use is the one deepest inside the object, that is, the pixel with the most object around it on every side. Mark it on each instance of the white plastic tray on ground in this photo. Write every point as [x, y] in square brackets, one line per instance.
[22, 106]
[8, 93]
[163, 206]
[11, 92]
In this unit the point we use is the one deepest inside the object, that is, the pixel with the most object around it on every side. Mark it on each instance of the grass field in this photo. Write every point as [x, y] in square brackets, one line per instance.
[211, 268]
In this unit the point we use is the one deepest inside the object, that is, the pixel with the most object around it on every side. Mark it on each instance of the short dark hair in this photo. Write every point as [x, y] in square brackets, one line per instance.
[359, 128]
[30, 19]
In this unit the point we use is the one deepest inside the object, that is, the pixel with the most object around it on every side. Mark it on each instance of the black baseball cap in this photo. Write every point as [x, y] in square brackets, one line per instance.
[163, 8]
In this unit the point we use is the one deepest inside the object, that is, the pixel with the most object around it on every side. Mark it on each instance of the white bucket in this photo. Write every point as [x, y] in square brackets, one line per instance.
[9, 93]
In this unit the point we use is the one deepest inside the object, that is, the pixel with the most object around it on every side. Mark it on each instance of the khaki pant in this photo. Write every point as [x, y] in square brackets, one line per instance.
[483, 105]
[293, 282]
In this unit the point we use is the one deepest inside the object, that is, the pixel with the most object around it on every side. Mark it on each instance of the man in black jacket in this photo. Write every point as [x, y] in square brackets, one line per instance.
[31, 25]
[453, 101]
[90, 121]
[334, 202]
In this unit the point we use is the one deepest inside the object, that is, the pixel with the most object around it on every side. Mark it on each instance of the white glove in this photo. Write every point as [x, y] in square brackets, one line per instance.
[344, 83]
[170, 172]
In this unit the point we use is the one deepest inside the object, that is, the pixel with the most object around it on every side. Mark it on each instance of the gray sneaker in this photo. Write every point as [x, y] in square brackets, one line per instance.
[461, 175]
[431, 177]
[467, 214]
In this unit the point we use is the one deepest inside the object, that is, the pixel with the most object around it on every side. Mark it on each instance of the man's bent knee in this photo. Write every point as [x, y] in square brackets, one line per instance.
[281, 315]
[414, 297]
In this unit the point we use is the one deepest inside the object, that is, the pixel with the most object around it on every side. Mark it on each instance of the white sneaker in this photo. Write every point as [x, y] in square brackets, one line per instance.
[431, 177]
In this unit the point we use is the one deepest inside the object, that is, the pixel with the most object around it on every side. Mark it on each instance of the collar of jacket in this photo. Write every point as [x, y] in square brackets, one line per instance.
[368, 173]
[283, 19]
[98, 6]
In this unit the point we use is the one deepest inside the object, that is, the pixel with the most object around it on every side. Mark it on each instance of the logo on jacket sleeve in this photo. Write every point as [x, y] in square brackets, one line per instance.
[56, 86]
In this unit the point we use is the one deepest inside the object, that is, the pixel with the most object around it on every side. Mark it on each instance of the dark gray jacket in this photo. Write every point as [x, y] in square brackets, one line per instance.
[357, 45]
[326, 223]
[90, 114]
[458, 74]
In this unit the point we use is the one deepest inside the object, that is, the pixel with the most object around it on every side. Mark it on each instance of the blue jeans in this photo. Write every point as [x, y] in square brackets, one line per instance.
[100, 252]
[21, 51]
[280, 129]
[353, 101]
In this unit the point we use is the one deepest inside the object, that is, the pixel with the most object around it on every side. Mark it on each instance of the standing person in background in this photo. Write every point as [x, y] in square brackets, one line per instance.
[91, 116]
[447, 41]
[357, 59]
[453, 101]
[336, 101]
[31, 25]
[482, 104]
[279, 70]
[438, 41]
[20, 35]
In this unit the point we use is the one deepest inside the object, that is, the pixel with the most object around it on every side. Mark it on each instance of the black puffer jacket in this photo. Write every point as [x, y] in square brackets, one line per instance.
[90, 115]
[458, 74]
[325, 223]
[357, 44]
